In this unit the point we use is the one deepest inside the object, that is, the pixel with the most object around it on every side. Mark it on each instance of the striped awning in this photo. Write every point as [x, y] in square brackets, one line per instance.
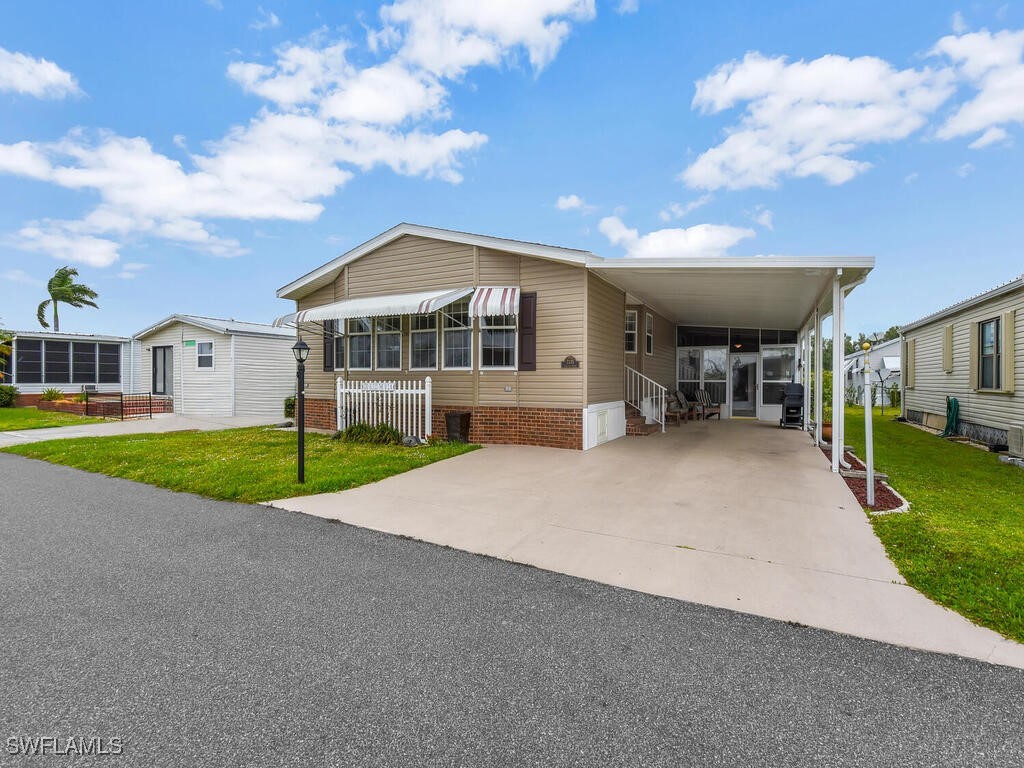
[376, 306]
[494, 300]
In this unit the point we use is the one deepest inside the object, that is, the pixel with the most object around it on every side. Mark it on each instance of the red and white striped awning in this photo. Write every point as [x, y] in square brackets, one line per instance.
[377, 306]
[494, 300]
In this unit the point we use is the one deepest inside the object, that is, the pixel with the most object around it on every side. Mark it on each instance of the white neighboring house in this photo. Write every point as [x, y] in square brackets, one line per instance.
[70, 362]
[884, 361]
[213, 367]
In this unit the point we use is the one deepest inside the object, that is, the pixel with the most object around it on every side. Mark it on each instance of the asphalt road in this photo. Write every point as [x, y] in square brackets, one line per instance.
[205, 633]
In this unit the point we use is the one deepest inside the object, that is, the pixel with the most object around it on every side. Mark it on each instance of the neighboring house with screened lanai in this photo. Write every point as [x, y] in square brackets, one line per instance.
[554, 346]
[973, 351]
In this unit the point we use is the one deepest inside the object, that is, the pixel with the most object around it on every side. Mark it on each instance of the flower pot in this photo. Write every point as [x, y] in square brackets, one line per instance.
[826, 431]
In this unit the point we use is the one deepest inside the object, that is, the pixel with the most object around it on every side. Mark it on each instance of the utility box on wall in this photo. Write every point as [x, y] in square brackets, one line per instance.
[1015, 440]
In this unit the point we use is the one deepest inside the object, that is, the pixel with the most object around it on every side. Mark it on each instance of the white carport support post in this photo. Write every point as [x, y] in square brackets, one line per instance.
[838, 347]
[819, 382]
[805, 378]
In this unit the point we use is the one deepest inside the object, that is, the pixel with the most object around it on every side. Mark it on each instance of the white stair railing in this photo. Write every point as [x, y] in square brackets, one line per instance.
[404, 405]
[647, 396]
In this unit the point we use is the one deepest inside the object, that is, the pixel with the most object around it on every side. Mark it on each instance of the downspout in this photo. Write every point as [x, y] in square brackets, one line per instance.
[232, 374]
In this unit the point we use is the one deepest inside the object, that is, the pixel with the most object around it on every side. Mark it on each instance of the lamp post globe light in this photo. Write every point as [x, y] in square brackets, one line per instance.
[301, 352]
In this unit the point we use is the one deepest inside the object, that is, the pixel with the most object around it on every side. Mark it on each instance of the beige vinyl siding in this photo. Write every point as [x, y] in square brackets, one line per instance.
[932, 383]
[264, 375]
[560, 292]
[662, 365]
[197, 391]
[411, 264]
[497, 268]
[605, 358]
[417, 264]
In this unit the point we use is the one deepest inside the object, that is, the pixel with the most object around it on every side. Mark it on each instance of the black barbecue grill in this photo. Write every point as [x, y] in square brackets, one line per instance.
[793, 406]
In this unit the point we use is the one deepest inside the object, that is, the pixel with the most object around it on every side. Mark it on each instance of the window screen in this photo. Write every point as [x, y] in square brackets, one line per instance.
[57, 362]
[28, 359]
[110, 364]
[83, 363]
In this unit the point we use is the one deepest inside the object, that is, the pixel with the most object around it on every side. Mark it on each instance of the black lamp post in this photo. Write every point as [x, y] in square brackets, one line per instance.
[301, 352]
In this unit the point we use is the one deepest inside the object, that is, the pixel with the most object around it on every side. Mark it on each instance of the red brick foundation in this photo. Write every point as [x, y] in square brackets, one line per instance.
[550, 427]
[134, 406]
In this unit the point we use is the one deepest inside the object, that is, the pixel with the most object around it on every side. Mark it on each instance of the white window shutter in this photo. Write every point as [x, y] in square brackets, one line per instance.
[1007, 352]
[911, 364]
[947, 348]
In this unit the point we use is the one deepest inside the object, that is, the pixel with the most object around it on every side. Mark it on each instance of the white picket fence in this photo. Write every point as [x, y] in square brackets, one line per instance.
[404, 405]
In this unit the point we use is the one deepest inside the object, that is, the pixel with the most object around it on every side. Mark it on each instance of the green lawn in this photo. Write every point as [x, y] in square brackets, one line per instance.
[248, 465]
[14, 419]
[962, 543]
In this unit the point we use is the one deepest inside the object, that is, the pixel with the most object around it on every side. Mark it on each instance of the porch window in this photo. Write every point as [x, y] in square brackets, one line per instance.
[631, 331]
[457, 336]
[388, 331]
[498, 341]
[649, 318]
[778, 365]
[360, 343]
[57, 362]
[83, 363]
[715, 369]
[689, 372]
[989, 373]
[339, 351]
[28, 361]
[109, 364]
[423, 342]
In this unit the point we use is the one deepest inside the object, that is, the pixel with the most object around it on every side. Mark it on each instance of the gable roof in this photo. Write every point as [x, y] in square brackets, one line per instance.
[874, 348]
[1000, 290]
[328, 272]
[229, 327]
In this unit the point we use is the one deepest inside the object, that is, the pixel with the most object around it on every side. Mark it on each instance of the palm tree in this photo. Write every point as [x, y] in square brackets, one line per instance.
[63, 288]
[5, 353]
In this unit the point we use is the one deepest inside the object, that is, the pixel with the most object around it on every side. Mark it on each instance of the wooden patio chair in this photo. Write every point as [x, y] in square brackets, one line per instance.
[707, 407]
[691, 410]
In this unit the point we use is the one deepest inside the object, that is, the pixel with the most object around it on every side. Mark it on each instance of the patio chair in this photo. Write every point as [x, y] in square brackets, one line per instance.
[707, 407]
[691, 410]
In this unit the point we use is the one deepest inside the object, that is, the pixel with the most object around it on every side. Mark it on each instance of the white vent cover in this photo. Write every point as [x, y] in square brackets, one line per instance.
[1015, 440]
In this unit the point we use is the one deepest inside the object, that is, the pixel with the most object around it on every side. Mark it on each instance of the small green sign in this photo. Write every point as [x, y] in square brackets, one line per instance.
[190, 342]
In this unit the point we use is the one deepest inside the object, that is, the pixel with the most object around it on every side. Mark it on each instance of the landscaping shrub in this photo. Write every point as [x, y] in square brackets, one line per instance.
[382, 434]
[894, 395]
[51, 393]
[289, 407]
[8, 393]
[81, 397]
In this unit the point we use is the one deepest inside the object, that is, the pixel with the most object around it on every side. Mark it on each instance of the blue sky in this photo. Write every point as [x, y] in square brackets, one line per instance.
[193, 157]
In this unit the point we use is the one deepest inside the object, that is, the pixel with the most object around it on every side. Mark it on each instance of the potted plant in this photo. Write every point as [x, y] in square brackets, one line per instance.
[826, 406]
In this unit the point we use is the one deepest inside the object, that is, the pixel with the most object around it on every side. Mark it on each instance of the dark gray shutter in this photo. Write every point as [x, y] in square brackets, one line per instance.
[329, 326]
[528, 332]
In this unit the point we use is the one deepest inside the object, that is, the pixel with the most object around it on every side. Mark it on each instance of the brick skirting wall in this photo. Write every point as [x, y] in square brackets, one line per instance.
[550, 427]
[134, 406]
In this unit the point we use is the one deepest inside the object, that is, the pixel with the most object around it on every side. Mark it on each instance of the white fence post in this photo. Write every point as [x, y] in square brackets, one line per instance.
[428, 410]
[405, 405]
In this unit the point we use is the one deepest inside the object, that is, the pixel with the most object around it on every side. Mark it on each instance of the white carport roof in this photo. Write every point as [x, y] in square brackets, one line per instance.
[737, 291]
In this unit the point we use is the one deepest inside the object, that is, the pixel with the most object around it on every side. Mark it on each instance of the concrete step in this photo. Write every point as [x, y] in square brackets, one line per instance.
[642, 430]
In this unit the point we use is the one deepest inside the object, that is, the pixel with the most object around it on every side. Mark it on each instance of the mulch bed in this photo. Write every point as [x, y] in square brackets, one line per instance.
[885, 499]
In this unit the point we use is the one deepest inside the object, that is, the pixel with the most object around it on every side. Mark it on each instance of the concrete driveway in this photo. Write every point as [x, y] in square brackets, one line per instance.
[740, 515]
[164, 422]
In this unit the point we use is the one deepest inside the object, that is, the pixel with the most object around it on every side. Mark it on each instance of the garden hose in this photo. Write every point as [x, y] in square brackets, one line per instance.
[952, 417]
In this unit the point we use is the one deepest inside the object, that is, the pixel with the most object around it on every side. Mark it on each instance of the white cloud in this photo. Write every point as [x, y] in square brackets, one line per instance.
[573, 203]
[265, 20]
[327, 118]
[989, 137]
[764, 217]
[910, 178]
[20, 276]
[993, 64]
[65, 246]
[21, 73]
[958, 24]
[699, 240]
[965, 170]
[674, 211]
[627, 6]
[217, 5]
[131, 270]
[804, 118]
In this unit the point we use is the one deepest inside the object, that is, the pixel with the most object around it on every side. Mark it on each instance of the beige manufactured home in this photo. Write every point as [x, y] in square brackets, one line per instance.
[974, 352]
[553, 346]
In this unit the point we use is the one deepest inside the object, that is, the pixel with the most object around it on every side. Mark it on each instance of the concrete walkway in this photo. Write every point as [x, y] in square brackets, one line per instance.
[163, 422]
[740, 515]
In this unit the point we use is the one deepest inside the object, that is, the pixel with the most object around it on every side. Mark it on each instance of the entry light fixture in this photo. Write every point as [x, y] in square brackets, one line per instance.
[301, 351]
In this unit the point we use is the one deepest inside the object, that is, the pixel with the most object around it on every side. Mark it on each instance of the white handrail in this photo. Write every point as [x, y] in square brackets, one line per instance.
[647, 396]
